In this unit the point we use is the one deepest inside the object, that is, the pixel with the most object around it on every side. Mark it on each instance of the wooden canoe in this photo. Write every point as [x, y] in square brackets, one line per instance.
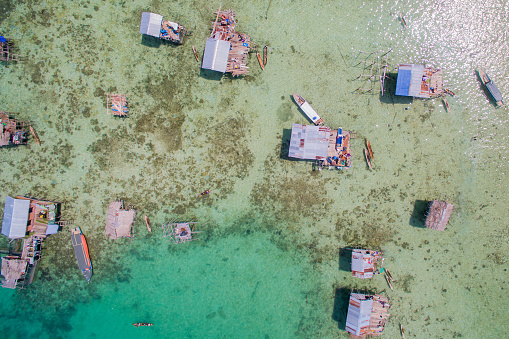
[147, 222]
[446, 105]
[368, 145]
[389, 282]
[196, 54]
[260, 60]
[402, 331]
[366, 155]
[35, 135]
[265, 52]
[389, 274]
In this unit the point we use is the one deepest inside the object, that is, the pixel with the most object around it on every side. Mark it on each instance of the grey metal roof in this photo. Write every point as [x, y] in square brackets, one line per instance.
[309, 142]
[358, 316]
[15, 220]
[151, 24]
[216, 54]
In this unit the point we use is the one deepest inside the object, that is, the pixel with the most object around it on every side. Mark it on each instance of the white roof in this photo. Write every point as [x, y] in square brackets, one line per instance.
[358, 316]
[216, 55]
[15, 220]
[151, 24]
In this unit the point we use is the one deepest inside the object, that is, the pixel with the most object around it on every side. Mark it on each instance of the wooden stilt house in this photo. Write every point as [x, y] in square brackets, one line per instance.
[119, 221]
[12, 132]
[226, 50]
[419, 81]
[438, 215]
[154, 25]
[116, 104]
[367, 315]
[7, 50]
[326, 146]
[365, 263]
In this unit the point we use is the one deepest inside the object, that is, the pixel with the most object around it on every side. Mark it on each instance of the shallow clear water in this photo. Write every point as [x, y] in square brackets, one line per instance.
[269, 262]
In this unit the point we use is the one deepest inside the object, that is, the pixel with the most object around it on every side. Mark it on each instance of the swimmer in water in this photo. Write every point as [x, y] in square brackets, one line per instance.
[204, 193]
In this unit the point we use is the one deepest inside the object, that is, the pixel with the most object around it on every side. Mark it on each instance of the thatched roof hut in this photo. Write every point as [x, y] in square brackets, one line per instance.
[119, 220]
[438, 215]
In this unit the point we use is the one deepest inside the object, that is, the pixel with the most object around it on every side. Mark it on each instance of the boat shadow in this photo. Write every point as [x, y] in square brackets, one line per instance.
[418, 217]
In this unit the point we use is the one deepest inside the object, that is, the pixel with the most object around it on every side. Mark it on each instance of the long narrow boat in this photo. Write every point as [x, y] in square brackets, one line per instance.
[306, 108]
[265, 55]
[196, 54]
[142, 324]
[260, 60]
[446, 104]
[492, 88]
[368, 145]
[389, 282]
[147, 222]
[81, 250]
[35, 135]
[366, 155]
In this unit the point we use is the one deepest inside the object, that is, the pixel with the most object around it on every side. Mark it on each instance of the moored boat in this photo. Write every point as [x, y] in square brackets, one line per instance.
[368, 145]
[260, 60]
[81, 250]
[147, 222]
[368, 160]
[306, 108]
[142, 324]
[492, 88]
[35, 135]
[265, 55]
[446, 105]
[196, 54]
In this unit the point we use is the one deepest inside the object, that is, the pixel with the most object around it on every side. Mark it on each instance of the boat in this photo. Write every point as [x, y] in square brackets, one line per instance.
[402, 331]
[448, 91]
[446, 105]
[368, 160]
[142, 324]
[265, 52]
[306, 108]
[81, 250]
[260, 60]
[368, 145]
[492, 88]
[389, 274]
[147, 222]
[389, 282]
[403, 21]
[196, 54]
[35, 135]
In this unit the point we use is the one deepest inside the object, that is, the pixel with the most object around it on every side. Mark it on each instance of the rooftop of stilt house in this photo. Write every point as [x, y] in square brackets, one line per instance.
[438, 215]
[226, 50]
[365, 263]
[119, 220]
[116, 104]
[367, 315]
[12, 132]
[7, 50]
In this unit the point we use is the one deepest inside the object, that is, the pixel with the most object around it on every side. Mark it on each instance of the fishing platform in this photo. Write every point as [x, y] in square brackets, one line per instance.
[30, 221]
[365, 263]
[7, 48]
[419, 81]
[154, 25]
[119, 221]
[377, 67]
[226, 50]
[328, 147]
[116, 104]
[179, 232]
[438, 215]
[13, 132]
[367, 315]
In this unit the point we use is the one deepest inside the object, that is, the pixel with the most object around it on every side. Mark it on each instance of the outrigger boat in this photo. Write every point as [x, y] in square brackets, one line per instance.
[492, 88]
[368, 145]
[306, 108]
[81, 250]
[368, 160]
[142, 324]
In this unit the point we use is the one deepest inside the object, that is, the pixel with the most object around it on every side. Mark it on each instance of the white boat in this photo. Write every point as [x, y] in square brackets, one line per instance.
[306, 108]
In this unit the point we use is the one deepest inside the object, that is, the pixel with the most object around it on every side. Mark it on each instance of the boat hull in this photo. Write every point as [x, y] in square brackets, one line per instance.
[80, 246]
[492, 88]
[308, 110]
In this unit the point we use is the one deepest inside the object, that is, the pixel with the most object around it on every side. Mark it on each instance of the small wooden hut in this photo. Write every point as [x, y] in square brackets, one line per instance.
[179, 232]
[119, 221]
[116, 104]
[438, 215]
[367, 315]
[7, 48]
[226, 50]
[12, 132]
[329, 147]
[419, 82]
[154, 25]
[365, 263]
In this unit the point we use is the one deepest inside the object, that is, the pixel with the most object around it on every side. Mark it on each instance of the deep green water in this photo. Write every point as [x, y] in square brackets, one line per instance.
[270, 262]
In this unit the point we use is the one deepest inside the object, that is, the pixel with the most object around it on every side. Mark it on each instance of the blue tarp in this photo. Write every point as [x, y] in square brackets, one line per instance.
[2, 39]
[403, 83]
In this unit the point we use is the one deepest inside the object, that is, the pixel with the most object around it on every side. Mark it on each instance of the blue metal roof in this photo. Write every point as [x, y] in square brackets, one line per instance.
[15, 220]
[403, 83]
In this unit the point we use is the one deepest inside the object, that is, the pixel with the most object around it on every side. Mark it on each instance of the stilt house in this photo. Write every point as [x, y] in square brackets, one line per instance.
[12, 131]
[179, 232]
[438, 215]
[154, 25]
[6, 49]
[119, 221]
[365, 263]
[116, 104]
[419, 81]
[320, 143]
[226, 50]
[367, 315]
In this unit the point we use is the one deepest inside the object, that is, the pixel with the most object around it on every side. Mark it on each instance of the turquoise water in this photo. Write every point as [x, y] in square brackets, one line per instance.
[270, 261]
